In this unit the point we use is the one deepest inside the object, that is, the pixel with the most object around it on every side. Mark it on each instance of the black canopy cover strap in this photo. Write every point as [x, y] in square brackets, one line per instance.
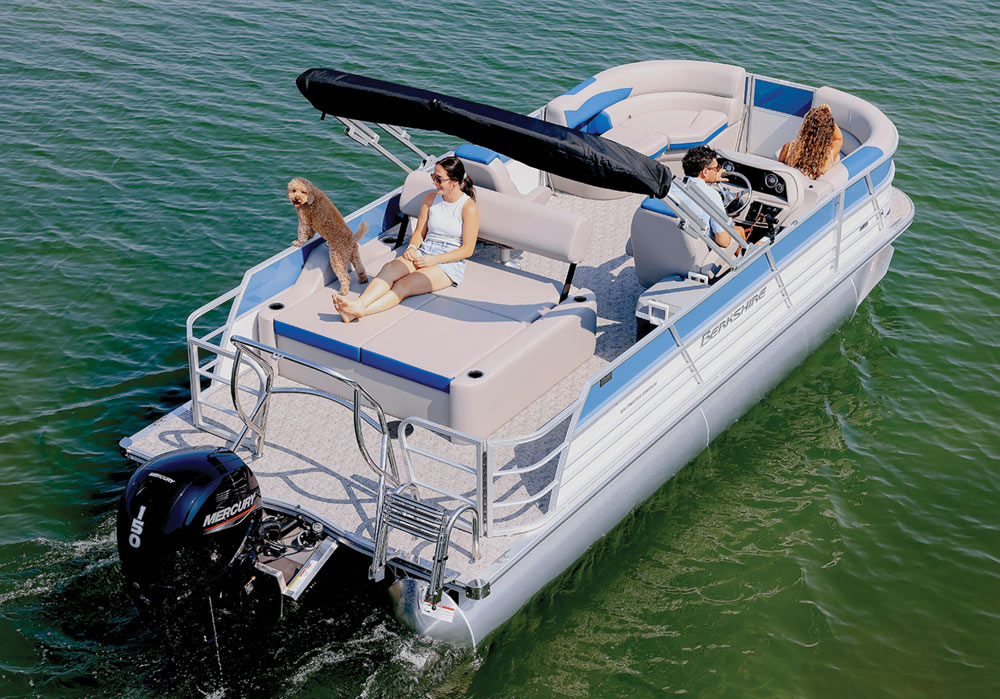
[569, 153]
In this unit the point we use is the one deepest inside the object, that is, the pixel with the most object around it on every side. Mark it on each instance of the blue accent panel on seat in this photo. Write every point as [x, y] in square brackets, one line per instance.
[790, 243]
[657, 205]
[692, 144]
[723, 297]
[658, 349]
[275, 278]
[574, 90]
[860, 159]
[595, 104]
[855, 193]
[404, 370]
[282, 273]
[327, 344]
[478, 154]
[782, 98]
[374, 218]
[880, 173]
[391, 213]
[599, 124]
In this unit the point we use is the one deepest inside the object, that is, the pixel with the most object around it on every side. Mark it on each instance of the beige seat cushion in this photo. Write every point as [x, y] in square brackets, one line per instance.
[653, 132]
[638, 135]
[437, 341]
[316, 322]
[507, 292]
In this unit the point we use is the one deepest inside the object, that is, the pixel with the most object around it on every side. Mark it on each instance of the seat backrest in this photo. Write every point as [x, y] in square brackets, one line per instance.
[659, 246]
[661, 249]
[613, 85]
[487, 169]
[514, 221]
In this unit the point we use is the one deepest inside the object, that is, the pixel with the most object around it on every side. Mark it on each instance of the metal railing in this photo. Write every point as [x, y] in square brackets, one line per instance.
[479, 502]
[214, 369]
[485, 475]
[570, 414]
[255, 421]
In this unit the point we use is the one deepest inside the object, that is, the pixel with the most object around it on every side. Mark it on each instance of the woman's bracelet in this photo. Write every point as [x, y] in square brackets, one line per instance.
[411, 245]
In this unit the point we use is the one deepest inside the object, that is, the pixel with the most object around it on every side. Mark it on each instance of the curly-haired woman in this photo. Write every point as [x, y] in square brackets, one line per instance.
[816, 147]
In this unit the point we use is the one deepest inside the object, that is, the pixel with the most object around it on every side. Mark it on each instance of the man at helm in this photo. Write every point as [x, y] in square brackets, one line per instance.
[702, 169]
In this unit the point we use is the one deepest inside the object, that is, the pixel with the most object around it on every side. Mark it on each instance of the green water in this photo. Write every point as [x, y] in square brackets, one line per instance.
[842, 538]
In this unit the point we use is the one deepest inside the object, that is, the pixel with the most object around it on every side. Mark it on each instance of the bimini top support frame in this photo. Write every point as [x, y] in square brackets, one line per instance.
[553, 148]
[360, 132]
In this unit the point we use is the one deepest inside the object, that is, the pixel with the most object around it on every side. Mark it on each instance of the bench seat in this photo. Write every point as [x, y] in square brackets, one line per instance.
[657, 132]
[469, 357]
[659, 108]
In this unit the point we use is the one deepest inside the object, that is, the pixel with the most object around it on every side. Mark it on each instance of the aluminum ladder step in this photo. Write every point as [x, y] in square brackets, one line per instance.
[401, 512]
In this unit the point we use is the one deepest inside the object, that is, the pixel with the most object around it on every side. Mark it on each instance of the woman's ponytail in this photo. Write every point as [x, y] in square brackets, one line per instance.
[466, 186]
[456, 171]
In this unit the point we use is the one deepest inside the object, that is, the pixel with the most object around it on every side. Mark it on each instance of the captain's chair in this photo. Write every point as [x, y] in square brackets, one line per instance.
[662, 249]
[488, 169]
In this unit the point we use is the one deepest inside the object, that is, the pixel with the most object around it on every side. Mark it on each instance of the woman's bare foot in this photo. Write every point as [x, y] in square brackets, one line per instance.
[349, 310]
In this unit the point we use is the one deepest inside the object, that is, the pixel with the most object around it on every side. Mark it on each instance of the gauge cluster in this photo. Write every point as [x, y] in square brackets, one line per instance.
[762, 181]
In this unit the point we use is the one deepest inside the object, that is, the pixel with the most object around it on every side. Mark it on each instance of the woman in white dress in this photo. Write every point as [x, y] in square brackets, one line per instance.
[446, 233]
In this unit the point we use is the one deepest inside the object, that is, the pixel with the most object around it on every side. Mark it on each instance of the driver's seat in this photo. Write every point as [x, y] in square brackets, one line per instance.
[661, 249]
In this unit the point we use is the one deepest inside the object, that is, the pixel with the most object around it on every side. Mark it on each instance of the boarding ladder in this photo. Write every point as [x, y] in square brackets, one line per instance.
[402, 512]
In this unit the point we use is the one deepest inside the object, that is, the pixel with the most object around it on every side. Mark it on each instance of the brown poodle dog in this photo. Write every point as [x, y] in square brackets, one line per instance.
[317, 213]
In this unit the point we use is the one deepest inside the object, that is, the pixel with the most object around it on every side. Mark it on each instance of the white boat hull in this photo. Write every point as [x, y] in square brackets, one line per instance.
[631, 483]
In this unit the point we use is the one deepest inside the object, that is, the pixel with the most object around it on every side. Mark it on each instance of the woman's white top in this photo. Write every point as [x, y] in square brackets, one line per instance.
[444, 221]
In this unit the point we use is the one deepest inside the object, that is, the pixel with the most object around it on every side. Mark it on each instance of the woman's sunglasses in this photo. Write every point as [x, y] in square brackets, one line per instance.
[438, 180]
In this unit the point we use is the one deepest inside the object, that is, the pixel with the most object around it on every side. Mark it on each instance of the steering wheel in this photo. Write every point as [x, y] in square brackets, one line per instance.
[739, 193]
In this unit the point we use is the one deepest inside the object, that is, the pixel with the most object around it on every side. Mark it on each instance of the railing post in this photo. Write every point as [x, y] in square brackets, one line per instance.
[840, 229]
[687, 355]
[484, 497]
[777, 275]
[878, 208]
[195, 383]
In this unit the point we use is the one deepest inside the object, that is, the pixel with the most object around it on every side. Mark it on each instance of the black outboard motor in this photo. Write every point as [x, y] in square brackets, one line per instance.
[200, 556]
[183, 525]
[186, 527]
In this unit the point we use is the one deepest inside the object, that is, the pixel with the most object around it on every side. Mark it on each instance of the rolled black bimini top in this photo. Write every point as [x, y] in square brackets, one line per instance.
[573, 154]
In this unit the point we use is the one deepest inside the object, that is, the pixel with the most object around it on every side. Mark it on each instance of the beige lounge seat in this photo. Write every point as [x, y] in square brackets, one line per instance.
[470, 357]
[868, 134]
[659, 108]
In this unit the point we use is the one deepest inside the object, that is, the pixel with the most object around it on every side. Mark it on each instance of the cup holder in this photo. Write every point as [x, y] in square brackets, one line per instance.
[475, 374]
[276, 306]
[579, 299]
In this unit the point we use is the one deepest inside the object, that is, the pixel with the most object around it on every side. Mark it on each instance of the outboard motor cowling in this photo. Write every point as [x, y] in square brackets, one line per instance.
[183, 524]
